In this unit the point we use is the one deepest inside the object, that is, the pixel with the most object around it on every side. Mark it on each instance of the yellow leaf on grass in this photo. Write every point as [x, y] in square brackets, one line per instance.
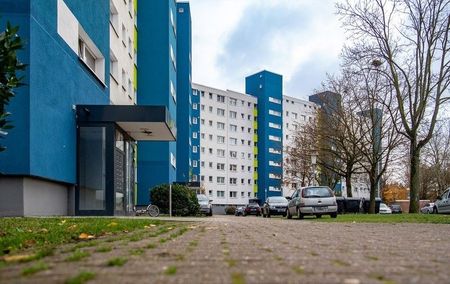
[112, 224]
[72, 227]
[84, 236]
[43, 230]
[16, 258]
[62, 222]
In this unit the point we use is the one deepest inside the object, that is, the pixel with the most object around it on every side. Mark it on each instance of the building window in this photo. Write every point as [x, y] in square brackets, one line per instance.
[274, 138]
[114, 17]
[233, 128]
[221, 180]
[194, 149]
[194, 106]
[220, 99]
[220, 166]
[220, 139]
[274, 113]
[173, 160]
[92, 59]
[202, 164]
[274, 164]
[113, 67]
[274, 125]
[172, 91]
[194, 135]
[233, 114]
[220, 152]
[233, 168]
[210, 165]
[202, 107]
[220, 194]
[233, 194]
[172, 57]
[273, 100]
[210, 109]
[210, 136]
[233, 101]
[210, 178]
[233, 154]
[274, 151]
[294, 115]
[194, 163]
[220, 112]
[274, 176]
[194, 120]
[233, 141]
[220, 125]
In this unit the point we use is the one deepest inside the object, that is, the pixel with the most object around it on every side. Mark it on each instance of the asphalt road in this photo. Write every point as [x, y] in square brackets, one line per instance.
[228, 249]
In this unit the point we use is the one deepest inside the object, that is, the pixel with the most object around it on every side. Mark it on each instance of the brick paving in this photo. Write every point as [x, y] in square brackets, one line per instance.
[228, 249]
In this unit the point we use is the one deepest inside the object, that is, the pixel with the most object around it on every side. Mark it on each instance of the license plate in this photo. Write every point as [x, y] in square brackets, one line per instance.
[321, 208]
[281, 210]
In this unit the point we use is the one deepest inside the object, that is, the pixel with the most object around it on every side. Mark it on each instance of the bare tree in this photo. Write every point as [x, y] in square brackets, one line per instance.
[412, 38]
[379, 138]
[435, 164]
[339, 131]
[300, 156]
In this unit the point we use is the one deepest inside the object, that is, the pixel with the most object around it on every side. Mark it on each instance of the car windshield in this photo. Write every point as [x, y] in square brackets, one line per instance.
[311, 192]
[202, 198]
[277, 199]
[383, 205]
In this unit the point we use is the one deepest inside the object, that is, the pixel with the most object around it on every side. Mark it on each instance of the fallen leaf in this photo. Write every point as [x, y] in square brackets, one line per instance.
[170, 228]
[84, 236]
[152, 225]
[43, 230]
[17, 257]
[112, 224]
[29, 243]
[62, 222]
[72, 227]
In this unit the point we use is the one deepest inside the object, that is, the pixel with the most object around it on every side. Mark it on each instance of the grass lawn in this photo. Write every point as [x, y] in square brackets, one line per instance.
[387, 218]
[40, 235]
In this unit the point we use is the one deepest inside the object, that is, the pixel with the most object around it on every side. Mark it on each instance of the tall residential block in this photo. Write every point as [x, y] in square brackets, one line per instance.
[72, 150]
[226, 151]
[157, 85]
[187, 136]
[268, 88]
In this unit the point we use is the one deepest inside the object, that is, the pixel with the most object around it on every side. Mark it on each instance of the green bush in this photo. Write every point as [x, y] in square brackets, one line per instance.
[184, 199]
[230, 210]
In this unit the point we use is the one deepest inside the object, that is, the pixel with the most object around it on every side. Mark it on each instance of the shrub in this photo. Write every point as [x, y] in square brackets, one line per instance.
[184, 199]
[230, 210]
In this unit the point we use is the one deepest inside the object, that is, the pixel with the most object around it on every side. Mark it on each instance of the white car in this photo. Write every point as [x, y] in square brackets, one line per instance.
[384, 209]
[428, 208]
[442, 204]
[312, 200]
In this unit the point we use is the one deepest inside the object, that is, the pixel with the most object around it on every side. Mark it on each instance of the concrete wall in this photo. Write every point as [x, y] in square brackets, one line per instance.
[24, 196]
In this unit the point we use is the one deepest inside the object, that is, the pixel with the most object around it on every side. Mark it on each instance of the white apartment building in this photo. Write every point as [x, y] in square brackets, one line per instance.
[123, 57]
[296, 113]
[226, 145]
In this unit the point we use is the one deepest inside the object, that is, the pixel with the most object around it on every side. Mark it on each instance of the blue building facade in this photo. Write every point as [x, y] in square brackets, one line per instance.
[157, 77]
[38, 146]
[187, 103]
[268, 88]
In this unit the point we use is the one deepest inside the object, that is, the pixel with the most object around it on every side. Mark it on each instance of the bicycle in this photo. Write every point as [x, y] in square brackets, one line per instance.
[152, 210]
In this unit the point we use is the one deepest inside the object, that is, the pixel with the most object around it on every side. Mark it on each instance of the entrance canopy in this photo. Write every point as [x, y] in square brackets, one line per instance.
[142, 123]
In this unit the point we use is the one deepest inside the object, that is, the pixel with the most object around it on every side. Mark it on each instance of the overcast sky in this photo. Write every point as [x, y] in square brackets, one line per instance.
[299, 39]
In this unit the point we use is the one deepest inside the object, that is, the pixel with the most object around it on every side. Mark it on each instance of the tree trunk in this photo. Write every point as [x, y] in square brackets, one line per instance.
[414, 178]
[348, 185]
[373, 188]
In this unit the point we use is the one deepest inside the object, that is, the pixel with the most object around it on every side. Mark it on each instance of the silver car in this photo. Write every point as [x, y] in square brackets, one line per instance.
[312, 200]
[442, 204]
[205, 204]
[427, 208]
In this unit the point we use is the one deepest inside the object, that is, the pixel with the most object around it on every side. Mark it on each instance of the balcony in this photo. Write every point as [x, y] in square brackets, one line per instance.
[255, 163]
[255, 175]
[255, 150]
[255, 112]
[255, 125]
[255, 137]
[255, 188]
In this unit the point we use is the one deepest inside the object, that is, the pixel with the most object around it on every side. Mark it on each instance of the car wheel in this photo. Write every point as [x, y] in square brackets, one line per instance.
[319, 216]
[288, 214]
[333, 215]
[299, 214]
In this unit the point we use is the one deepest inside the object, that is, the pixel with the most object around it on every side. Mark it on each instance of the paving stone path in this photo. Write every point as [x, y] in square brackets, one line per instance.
[228, 249]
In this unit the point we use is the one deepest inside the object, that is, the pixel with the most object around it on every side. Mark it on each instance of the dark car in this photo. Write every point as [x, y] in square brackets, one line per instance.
[252, 209]
[396, 209]
[275, 205]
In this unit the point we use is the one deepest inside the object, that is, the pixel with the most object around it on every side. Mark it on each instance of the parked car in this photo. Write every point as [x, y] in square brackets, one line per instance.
[427, 208]
[396, 209]
[252, 209]
[239, 211]
[205, 204]
[275, 205]
[384, 209]
[312, 200]
[442, 204]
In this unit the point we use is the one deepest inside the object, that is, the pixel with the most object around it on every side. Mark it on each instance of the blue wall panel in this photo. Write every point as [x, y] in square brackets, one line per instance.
[57, 81]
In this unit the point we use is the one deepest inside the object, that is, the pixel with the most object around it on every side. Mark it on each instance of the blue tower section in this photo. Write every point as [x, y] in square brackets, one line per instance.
[268, 88]
[42, 143]
[157, 85]
[185, 100]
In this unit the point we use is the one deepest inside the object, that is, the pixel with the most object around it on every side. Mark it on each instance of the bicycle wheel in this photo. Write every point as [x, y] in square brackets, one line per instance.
[153, 210]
